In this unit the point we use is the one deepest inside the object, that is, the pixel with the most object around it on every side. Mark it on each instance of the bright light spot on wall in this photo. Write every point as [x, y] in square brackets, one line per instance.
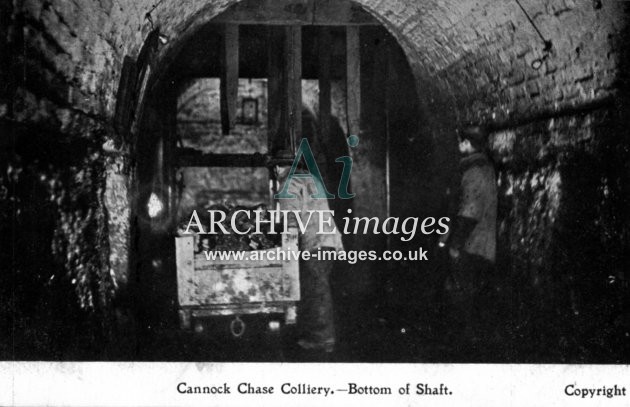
[154, 206]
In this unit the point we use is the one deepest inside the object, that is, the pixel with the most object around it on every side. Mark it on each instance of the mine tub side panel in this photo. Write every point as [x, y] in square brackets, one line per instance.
[185, 261]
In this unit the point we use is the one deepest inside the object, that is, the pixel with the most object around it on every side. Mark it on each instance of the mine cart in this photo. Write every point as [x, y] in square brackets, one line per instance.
[234, 288]
[208, 288]
[230, 287]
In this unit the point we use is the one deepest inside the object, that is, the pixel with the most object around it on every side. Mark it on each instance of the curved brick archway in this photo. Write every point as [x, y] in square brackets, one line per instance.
[185, 25]
[373, 181]
[562, 148]
[475, 57]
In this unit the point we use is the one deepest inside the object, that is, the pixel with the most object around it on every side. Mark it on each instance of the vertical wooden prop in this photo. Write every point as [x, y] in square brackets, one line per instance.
[170, 147]
[353, 80]
[325, 45]
[293, 53]
[229, 77]
[275, 55]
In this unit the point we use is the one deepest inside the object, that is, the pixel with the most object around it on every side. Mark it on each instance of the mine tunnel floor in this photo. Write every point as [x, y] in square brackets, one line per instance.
[366, 332]
[381, 335]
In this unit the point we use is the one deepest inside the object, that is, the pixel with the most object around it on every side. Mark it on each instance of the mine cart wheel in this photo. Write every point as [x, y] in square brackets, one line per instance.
[237, 327]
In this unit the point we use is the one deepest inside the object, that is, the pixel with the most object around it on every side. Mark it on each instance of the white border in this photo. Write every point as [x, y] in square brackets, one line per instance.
[155, 384]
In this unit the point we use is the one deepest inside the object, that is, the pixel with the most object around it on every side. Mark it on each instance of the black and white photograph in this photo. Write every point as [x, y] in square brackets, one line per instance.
[316, 183]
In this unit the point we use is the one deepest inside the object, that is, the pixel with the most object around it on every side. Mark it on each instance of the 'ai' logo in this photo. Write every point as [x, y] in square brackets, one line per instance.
[304, 150]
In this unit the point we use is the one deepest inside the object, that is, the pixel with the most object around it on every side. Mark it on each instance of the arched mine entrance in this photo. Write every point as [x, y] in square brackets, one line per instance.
[232, 101]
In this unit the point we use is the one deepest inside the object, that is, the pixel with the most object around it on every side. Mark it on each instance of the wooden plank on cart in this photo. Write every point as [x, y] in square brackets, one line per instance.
[353, 80]
[291, 267]
[229, 77]
[271, 277]
[262, 261]
[240, 309]
[184, 259]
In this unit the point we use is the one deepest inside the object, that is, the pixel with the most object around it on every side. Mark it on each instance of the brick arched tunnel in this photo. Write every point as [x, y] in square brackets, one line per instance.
[73, 157]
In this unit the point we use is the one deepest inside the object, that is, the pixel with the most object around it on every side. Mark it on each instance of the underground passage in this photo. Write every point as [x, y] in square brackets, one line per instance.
[452, 176]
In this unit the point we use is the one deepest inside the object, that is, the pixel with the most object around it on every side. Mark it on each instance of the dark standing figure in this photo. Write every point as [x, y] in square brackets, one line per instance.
[315, 312]
[471, 242]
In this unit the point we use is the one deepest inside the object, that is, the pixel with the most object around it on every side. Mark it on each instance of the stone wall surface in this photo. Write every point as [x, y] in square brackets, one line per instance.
[478, 53]
[563, 187]
[564, 180]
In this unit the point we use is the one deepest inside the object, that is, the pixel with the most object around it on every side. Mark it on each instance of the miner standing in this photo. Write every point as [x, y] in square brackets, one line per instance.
[471, 243]
[315, 312]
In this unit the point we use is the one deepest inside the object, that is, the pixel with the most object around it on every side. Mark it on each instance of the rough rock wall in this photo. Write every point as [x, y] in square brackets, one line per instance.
[564, 190]
[58, 74]
[55, 244]
[471, 61]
